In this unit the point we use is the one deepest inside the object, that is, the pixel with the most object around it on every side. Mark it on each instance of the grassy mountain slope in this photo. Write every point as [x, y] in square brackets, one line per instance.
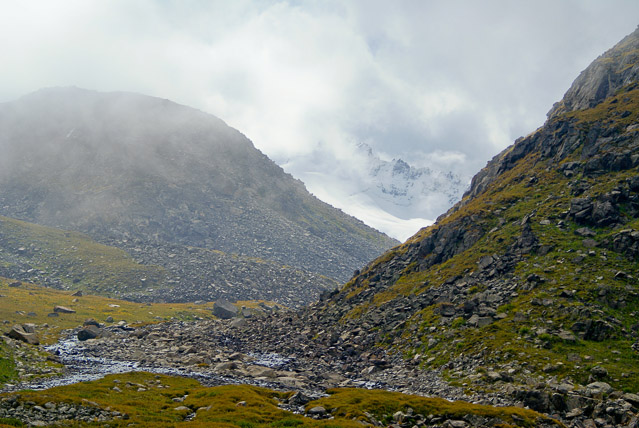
[533, 277]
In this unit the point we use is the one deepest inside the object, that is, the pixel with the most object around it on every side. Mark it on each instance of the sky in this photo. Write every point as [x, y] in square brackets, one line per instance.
[440, 84]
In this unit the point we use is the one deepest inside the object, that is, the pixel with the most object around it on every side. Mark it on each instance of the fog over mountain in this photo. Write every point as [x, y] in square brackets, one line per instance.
[396, 195]
[442, 85]
[164, 181]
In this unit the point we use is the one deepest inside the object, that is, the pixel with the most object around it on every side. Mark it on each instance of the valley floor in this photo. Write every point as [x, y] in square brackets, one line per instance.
[281, 353]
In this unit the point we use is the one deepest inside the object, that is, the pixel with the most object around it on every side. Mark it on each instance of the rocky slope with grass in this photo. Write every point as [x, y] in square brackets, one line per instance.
[525, 293]
[177, 189]
[527, 288]
[73, 261]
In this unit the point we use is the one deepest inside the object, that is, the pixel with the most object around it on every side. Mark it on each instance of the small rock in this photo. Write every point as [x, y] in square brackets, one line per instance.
[91, 321]
[229, 365]
[567, 336]
[598, 388]
[585, 232]
[317, 411]
[599, 372]
[63, 310]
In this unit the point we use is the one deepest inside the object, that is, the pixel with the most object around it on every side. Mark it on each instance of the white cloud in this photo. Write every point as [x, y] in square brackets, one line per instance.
[452, 82]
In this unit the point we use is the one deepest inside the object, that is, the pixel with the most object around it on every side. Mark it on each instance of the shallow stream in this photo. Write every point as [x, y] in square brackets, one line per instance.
[80, 366]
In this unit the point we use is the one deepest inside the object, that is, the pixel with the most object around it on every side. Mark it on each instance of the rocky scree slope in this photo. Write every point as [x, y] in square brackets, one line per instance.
[158, 179]
[71, 260]
[529, 286]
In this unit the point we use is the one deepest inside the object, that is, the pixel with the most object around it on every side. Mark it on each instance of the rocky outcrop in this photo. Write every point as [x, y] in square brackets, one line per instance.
[613, 70]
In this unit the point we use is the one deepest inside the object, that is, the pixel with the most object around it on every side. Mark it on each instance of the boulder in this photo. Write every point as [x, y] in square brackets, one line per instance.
[89, 332]
[598, 330]
[224, 309]
[91, 321]
[317, 411]
[239, 323]
[597, 389]
[447, 310]
[567, 336]
[27, 335]
[63, 310]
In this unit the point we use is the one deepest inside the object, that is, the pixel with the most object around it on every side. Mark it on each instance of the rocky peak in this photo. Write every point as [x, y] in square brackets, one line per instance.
[613, 70]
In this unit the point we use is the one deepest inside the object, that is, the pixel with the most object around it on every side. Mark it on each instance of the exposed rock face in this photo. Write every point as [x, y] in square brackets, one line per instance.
[143, 173]
[614, 69]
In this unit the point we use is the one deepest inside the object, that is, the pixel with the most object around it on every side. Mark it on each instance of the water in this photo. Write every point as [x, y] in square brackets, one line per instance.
[273, 361]
[81, 366]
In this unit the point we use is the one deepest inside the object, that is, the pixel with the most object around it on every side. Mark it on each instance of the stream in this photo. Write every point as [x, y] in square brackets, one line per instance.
[80, 366]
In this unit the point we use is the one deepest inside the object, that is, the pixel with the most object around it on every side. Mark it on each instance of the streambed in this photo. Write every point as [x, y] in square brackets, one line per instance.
[80, 365]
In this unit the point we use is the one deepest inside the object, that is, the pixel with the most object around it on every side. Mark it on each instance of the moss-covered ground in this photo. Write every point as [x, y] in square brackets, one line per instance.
[148, 400]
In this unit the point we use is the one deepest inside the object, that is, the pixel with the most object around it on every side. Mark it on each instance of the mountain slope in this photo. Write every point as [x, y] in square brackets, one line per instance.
[73, 261]
[529, 285]
[148, 175]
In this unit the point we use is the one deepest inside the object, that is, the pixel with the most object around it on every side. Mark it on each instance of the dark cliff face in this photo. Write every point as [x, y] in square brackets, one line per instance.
[536, 264]
[139, 173]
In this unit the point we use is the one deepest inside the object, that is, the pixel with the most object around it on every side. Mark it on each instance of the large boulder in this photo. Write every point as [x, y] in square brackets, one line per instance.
[63, 310]
[24, 332]
[224, 309]
[89, 332]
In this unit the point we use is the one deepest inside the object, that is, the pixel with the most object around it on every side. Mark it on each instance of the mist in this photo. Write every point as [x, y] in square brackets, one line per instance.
[455, 82]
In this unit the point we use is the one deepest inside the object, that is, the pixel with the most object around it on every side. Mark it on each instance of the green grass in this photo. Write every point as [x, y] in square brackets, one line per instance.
[7, 364]
[352, 403]
[32, 303]
[80, 262]
[147, 399]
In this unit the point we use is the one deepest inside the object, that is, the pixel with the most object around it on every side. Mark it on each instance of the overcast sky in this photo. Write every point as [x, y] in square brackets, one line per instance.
[445, 83]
